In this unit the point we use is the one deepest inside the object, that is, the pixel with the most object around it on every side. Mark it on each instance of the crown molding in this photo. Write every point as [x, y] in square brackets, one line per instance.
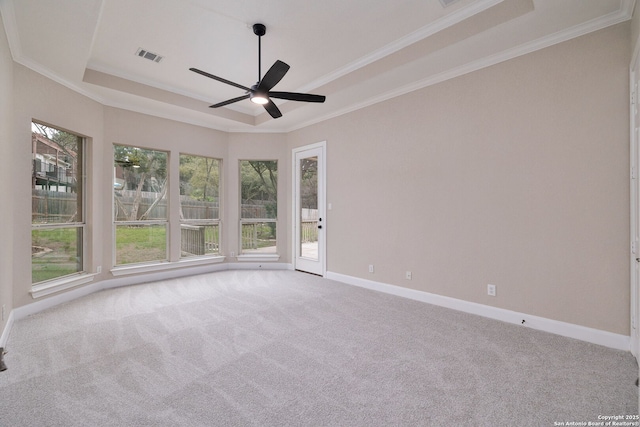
[624, 13]
[420, 34]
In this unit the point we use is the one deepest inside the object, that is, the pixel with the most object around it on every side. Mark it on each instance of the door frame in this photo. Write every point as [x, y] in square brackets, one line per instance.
[634, 229]
[322, 204]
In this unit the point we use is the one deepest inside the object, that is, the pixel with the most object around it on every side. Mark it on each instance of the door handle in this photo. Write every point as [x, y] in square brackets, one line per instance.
[321, 227]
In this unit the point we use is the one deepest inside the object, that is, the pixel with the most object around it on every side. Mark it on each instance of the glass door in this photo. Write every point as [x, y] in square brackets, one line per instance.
[310, 222]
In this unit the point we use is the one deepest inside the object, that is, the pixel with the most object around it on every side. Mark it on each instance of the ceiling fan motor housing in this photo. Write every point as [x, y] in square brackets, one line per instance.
[259, 30]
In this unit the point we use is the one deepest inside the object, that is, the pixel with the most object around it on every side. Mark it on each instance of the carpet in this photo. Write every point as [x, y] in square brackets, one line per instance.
[283, 348]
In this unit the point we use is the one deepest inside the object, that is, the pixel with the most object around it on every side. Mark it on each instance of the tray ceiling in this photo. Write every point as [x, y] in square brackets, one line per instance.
[354, 53]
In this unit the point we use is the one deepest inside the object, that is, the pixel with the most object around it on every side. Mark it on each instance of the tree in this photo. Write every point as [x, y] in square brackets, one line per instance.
[199, 177]
[309, 183]
[260, 180]
[142, 170]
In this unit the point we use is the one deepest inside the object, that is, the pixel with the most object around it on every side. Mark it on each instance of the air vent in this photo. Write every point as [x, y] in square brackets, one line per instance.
[446, 3]
[149, 55]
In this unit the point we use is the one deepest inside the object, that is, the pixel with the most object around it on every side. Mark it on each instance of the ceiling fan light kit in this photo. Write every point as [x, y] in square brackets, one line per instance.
[258, 97]
[261, 93]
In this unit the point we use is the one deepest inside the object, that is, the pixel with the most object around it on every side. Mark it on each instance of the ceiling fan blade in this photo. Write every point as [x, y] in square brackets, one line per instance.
[273, 76]
[220, 79]
[272, 109]
[293, 96]
[229, 101]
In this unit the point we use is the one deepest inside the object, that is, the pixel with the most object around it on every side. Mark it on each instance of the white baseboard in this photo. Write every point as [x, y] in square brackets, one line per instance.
[595, 336]
[583, 333]
[54, 300]
[7, 329]
[259, 266]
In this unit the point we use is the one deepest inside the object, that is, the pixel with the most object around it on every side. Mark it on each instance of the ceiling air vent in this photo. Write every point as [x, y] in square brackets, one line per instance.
[446, 3]
[149, 55]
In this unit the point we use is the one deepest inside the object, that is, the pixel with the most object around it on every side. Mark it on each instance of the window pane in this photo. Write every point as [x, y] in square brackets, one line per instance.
[56, 199]
[309, 208]
[199, 205]
[259, 237]
[199, 187]
[259, 200]
[259, 189]
[140, 184]
[55, 253]
[56, 182]
[141, 243]
[197, 240]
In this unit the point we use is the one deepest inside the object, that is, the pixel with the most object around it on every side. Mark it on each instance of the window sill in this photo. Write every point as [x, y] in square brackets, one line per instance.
[258, 257]
[147, 268]
[57, 285]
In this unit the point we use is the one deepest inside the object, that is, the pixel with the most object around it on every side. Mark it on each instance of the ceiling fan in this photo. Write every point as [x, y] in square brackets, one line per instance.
[260, 93]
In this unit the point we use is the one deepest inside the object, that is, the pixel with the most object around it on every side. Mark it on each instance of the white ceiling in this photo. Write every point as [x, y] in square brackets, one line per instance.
[355, 52]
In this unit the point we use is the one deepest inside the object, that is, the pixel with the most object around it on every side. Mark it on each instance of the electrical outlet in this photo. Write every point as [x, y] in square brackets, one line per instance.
[99, 269]
[407, 275]
[3, 307]
[233, 254]
[491, 290]
[370, 268]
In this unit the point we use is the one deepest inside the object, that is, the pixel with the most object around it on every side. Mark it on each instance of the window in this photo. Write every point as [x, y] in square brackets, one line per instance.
[140, 205]
[199, 206]
[57, 203]
[259, 206]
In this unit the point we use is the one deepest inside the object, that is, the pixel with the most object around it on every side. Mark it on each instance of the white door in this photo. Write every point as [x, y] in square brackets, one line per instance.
[635, 207]
[309, 208]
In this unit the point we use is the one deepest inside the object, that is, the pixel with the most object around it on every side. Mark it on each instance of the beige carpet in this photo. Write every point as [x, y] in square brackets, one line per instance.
[281, 348]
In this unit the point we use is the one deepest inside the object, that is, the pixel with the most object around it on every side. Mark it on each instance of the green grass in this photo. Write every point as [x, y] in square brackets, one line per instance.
[134, 244]
[49, 271]
[140, 244]
[57, 253]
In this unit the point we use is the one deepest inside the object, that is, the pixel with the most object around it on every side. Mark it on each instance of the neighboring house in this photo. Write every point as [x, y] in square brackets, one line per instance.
[53, 165]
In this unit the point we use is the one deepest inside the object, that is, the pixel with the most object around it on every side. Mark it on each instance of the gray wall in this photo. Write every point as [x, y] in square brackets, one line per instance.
[6, 142]
[515, 175]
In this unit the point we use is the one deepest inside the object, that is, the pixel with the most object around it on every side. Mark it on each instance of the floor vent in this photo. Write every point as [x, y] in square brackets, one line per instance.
[149, 55]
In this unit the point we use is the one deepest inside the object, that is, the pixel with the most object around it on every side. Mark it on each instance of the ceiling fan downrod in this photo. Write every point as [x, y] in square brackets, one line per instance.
[259, 30]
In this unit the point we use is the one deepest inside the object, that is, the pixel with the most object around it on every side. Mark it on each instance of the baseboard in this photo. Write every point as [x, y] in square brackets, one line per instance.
[70, 295]
[570, 330]
[595, 336]
[259, 266]
[7, 330]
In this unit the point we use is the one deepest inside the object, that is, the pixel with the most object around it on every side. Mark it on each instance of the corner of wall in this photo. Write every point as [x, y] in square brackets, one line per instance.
[6, 177]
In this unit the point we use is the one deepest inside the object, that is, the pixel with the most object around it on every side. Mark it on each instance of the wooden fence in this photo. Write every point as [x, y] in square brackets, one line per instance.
[53, 206]
[257, 209]
[196, 209]
[308, 231]
[194, 239]
[257, 235]
[126, 201]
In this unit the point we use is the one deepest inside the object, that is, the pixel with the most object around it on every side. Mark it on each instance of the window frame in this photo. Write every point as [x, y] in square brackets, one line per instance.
[256, 256]
[56, 284]
[203, 222]
[134, 266]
